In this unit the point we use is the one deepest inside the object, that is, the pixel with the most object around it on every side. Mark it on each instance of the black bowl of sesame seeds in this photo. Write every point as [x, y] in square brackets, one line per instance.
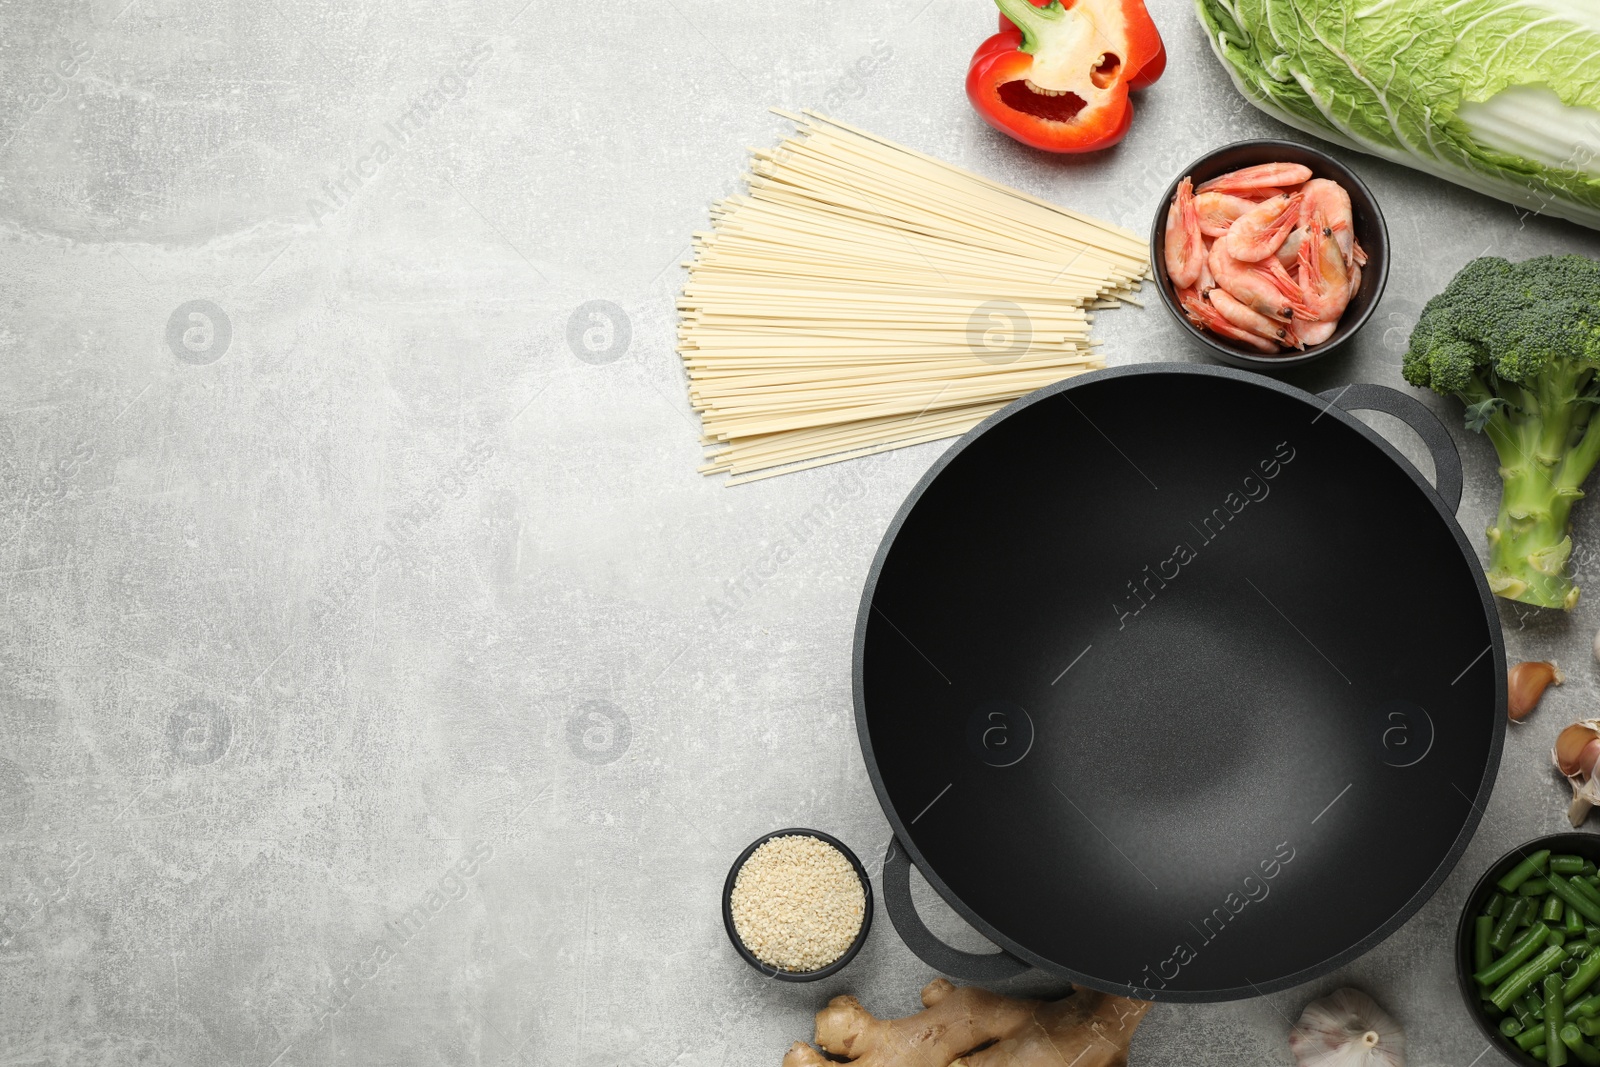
[797, 905]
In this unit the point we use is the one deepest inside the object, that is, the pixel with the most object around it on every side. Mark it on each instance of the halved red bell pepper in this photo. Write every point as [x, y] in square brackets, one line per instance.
[1059, 78]
[1147, 75]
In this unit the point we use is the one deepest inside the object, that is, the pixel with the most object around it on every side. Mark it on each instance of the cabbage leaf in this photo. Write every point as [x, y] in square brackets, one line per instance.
[1501, 96]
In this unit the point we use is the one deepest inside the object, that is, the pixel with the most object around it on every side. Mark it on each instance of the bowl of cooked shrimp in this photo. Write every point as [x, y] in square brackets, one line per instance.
[1271, 253]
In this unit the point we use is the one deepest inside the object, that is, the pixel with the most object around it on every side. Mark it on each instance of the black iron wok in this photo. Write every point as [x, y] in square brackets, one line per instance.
[1179, 683]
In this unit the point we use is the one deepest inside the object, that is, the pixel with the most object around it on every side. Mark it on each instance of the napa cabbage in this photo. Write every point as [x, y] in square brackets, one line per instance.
[1501, 96]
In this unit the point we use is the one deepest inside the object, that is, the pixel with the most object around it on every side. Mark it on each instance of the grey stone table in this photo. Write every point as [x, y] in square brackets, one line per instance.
[379, 684]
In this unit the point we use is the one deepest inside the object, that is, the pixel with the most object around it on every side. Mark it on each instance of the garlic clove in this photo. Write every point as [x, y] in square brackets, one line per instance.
[1347, 1029]
[1526, 683]
[1570, 745]
[1579, 810]
[1575, 753]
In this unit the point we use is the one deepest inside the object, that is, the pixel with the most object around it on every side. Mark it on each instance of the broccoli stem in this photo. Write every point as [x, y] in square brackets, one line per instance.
[1548, 443]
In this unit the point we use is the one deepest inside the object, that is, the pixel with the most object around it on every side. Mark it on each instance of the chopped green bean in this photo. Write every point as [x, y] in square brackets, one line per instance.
[1536, 958]
[1532, 865]
[1572, 1039]
[1506, 928]
[1523, 978]
[1482, 952]
[1588, 971]
[1525, 946]
[1576, 898]
[1584, 886]
[1555, 1017]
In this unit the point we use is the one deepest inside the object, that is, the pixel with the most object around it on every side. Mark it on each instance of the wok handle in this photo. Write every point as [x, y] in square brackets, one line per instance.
[967, 966]
[1365, 396]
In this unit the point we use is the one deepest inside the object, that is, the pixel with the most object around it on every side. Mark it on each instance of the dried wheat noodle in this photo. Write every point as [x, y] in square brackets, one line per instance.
[837, 309]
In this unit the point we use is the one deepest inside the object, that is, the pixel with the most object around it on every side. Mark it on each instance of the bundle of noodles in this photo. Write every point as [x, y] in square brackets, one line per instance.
[862, 296]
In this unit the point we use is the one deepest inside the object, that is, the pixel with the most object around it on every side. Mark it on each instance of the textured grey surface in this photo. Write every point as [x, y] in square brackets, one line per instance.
[401, 591]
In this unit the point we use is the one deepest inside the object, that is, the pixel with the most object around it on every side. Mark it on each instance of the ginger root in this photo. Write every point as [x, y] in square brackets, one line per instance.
[972, 1027]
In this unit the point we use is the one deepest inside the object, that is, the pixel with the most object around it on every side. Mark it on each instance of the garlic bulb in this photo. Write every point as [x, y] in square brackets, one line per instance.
[1347, 1029]
[1575, 753]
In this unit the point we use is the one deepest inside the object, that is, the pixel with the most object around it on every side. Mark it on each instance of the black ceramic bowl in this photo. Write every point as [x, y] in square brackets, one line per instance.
[1369, 230]
[1585, 845]
[797, 976]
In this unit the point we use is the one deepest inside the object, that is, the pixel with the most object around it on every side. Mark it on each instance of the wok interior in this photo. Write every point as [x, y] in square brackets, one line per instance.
[1255, 663]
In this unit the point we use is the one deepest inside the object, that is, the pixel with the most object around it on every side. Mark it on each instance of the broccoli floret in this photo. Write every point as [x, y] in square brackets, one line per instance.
[1519, 344]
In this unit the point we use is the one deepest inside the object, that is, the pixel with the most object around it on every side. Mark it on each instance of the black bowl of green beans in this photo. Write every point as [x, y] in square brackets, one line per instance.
[1528, 952]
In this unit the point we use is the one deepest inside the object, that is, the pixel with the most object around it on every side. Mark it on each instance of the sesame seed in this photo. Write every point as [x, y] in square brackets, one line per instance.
[797, 903]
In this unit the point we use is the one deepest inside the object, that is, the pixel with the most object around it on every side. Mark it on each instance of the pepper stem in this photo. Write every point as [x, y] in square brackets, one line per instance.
[1032, 21]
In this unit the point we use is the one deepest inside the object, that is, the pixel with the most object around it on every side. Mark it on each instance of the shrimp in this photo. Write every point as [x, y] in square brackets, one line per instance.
[1260, 232]
[1267, 175]
[1202, 314]
[1217, 211]
[1324, 280]
[1289, 252]
[1312, 333]
[1358, 253]
[1185, 245]
[1268, 192]
[1330, 198]
[1204, 285]
[1265, 287]
[1206, 282]
[1246, 319]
